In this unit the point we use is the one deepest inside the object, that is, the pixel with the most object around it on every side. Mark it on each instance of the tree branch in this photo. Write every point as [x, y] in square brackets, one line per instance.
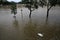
[50, 7]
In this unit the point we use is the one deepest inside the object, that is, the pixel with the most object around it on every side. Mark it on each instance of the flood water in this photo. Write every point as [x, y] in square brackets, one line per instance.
[22, 27]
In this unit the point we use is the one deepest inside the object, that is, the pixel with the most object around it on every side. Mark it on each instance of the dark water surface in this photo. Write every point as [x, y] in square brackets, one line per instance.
[22, 27]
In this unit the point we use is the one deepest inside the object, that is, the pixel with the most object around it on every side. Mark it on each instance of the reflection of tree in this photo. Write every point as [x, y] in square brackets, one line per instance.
[15, 22]
[16, 26]
[46, 20]
[21, 14]
[30, 31]
[49, 30]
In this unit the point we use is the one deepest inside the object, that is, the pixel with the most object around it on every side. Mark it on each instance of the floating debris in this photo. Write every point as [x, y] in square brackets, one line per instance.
[41, 35]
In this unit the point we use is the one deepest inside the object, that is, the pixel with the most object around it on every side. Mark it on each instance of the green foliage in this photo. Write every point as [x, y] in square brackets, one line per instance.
[4, 3]
[27, 1]
[53, 2]
[12, 3]
[7, 3]
[58, 2]
[35, 5]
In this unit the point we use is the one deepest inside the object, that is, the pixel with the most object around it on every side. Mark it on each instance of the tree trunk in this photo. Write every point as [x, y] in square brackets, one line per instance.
[30, 11]
[30, 14]
[47, 13]
[48, 9]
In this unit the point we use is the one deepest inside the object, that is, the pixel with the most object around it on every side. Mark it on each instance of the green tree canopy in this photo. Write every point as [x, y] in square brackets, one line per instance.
[53, 2]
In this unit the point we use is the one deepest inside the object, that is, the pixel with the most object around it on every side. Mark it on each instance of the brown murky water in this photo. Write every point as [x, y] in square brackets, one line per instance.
[23, 28]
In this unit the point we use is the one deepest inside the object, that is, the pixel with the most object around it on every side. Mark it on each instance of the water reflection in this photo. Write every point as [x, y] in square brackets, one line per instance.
[22, 15]
[15, 22]
[50, 31]
[46, 20]
[30, 31]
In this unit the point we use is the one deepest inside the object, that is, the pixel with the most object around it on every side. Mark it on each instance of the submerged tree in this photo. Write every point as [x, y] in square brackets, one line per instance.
[50, 4]
[31, 5]
[34, 4]
[14, 8]
[4, 2]
[0, 2]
